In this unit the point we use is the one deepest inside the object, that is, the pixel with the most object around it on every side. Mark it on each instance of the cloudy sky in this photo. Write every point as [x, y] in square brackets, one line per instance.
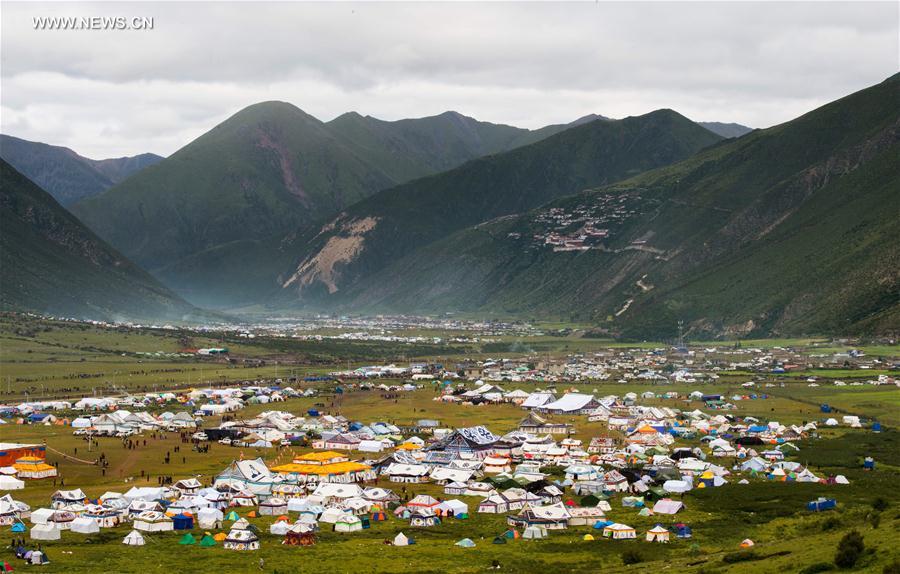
[122, 92]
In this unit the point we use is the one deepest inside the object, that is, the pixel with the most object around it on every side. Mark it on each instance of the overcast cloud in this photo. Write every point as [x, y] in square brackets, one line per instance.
[112, 93]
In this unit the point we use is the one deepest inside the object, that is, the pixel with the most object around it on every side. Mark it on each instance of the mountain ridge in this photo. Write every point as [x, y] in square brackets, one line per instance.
[66, 175]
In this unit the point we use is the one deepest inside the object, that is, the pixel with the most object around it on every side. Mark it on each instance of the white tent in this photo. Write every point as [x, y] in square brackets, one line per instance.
[134, 538]
[44, 532]
[667, 506]
[209, 517]
[280, 528]
[348, 523]
[534, 532]
[331, 515]
[42, 515]
[83, 525]
[152, 521]
[401, 540]
[10, 483]
[676, 486]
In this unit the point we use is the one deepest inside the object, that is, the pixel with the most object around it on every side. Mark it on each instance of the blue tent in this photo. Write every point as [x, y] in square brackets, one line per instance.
[683, 531]
[19, 527]
[312, 412]
[355, 426]
[825, 408]
[876, 427]
[182, 522]
[821, 504]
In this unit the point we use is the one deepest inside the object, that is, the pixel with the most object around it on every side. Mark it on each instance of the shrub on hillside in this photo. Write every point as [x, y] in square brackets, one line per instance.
[631, 556]
[849, 549]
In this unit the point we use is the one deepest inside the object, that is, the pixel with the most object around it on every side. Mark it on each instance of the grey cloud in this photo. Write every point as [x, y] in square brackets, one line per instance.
[525, 64]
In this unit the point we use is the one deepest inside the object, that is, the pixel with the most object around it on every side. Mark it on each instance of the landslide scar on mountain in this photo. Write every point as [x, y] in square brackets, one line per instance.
[340, 248]
[291, 183]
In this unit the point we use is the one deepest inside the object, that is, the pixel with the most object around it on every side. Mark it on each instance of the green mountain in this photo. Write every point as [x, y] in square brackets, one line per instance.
[50, 263]
[787, 230]
[67, 176]
[731, 130]
[378, 231]
[226, 200]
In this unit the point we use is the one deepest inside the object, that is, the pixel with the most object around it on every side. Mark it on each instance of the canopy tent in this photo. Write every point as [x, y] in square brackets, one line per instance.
[618, 531]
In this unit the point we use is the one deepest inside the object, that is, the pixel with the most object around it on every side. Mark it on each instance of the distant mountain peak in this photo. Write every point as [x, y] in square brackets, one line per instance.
[726, 130]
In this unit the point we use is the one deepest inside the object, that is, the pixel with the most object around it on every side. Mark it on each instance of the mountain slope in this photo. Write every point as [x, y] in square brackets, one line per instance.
[67, 176]
[266, 169]
[730, 130]
[373, 233]
[226, 198]
[50, 263]
[787, 230]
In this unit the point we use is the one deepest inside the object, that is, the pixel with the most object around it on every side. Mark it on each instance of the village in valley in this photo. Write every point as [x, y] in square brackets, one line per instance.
[515, 447]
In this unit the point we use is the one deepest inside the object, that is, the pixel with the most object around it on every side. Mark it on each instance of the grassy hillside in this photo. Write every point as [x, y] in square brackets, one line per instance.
[785, 230]
[380, 230]
[50, 263]
[64, 174]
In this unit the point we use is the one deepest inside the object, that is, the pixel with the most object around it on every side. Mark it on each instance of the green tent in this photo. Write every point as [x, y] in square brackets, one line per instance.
[207, 541]
[232, 516]
[187, 539]
[499, 540]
